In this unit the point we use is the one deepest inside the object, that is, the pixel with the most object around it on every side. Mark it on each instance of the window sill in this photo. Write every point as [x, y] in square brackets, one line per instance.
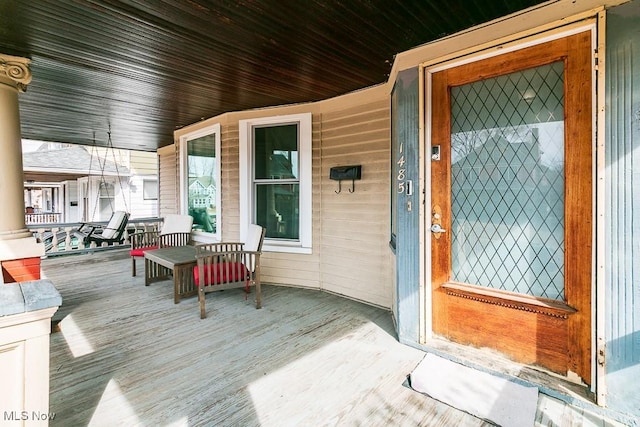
[285, 249]
[204, 237]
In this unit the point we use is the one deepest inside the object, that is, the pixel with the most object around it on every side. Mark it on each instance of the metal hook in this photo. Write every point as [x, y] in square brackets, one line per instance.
[351, 190]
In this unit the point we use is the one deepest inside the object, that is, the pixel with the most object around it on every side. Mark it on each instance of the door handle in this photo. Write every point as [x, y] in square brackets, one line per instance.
[437, 228]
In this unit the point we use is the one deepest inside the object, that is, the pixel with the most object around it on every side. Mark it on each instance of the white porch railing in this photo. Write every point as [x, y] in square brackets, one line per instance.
[59, 239]
[42, 218]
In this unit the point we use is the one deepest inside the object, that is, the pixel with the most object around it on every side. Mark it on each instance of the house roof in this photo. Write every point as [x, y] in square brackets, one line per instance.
[143, 69]
[204, 181]
[67, 163]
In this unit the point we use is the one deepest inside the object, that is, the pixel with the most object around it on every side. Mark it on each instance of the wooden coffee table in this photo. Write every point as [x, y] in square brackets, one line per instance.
[178, 261]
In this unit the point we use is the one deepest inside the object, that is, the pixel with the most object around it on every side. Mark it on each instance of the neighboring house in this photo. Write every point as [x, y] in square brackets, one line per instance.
[87, 184]
[143, 183]
[202, 202]
[498, 201]
[202, 192]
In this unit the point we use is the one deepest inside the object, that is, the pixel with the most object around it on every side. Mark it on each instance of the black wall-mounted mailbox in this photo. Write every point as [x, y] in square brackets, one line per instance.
[346, 172]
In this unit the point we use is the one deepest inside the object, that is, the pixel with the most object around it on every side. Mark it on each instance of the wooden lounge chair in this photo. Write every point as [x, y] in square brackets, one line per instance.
[111, 233]
[175, 231]
[229, 265]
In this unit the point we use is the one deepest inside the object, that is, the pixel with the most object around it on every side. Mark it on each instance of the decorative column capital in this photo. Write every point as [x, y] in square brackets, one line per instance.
[16, 69]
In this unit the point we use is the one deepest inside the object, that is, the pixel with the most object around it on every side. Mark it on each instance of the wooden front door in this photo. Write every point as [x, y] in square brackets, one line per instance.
[511, 210]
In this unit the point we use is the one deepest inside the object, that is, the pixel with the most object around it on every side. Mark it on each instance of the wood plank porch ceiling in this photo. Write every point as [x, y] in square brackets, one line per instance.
[143, 69]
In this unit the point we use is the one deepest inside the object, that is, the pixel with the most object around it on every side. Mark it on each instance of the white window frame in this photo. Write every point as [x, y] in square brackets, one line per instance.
[201, 236]
[247, 189]
[151, 182]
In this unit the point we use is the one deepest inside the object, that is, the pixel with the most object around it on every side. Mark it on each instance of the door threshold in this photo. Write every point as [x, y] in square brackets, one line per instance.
[493, 362]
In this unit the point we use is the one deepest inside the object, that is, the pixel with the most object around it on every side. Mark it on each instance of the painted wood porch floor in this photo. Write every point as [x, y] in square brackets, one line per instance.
[125, 354]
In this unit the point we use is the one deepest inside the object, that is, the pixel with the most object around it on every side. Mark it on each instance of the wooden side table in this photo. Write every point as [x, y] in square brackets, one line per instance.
[176, 260]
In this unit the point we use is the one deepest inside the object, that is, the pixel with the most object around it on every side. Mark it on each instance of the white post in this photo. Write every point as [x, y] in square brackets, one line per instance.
[16, 241]
[14, 76]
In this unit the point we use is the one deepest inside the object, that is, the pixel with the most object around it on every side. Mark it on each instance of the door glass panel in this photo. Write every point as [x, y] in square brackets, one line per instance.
[507, 172]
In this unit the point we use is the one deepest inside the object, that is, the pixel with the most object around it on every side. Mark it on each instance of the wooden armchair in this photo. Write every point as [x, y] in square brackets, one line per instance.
[229, 265]
[175, 231]
[111, 233]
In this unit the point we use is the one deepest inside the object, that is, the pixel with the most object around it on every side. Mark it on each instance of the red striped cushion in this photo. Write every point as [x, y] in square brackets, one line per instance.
[140, 251]
[226, 272]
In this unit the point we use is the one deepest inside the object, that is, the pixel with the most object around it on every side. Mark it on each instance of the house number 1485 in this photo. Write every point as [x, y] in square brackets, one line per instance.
[402, 172]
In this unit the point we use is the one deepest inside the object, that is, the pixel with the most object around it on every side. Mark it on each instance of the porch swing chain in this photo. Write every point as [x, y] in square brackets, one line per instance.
[103, 181]
[94, 151]
[113, 156]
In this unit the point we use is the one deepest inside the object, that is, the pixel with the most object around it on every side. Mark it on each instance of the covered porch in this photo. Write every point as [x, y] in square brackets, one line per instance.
[125, 354]
[122, 354]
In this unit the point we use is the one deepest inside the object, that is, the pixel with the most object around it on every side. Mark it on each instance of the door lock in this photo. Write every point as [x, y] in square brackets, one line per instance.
[437, 228]
[436, 219]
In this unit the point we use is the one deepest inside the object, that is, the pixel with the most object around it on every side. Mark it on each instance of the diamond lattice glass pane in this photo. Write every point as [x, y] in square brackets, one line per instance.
[507, 172]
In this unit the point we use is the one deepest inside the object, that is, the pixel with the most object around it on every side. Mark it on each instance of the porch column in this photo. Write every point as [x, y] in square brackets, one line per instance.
[18, 247]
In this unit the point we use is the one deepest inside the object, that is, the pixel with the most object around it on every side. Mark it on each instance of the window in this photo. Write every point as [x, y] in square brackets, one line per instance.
[275, 180]
[200, 181]
[106, 199]
[150, 189]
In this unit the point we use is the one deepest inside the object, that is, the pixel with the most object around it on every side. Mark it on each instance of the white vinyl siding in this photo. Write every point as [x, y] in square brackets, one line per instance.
[168, 175]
